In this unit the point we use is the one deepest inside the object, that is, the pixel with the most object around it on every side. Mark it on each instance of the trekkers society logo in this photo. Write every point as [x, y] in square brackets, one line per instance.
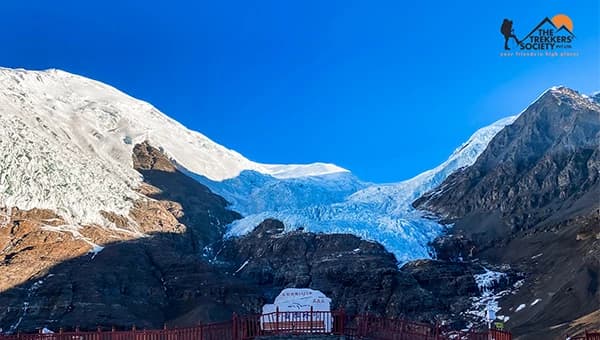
[550, 38]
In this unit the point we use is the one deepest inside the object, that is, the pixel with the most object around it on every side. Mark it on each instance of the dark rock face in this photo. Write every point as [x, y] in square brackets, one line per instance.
[455, 248]
[360, 276]
[204, 213]
[532, 200]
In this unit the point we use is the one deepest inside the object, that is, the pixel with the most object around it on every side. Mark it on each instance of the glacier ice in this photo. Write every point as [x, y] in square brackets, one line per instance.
[381, 213]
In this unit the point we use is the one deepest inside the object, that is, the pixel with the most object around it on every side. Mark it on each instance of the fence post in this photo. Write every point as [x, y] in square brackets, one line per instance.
[234, 327]
[342, 322]
[362, 325]
[277, 318]
[311, 319]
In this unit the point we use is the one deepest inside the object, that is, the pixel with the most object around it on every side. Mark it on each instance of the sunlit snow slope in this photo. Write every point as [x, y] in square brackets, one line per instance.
[66, 143]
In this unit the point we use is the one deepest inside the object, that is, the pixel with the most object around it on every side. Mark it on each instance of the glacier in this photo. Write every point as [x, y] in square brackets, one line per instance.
[66, 142]
[380, 213]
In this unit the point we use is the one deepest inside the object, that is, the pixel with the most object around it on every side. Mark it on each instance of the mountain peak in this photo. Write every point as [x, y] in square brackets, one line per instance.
[555, 136]
[133, 120]
[563, 94]
[76, 135]
[595, 96]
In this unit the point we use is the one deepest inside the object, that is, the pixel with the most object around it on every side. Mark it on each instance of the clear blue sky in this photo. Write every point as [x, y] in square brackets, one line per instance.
[385, 89]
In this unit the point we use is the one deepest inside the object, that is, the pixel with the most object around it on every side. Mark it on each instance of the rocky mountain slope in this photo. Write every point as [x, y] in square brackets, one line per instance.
[68, 141]
[52, 278]
[358, 275]
[168, 276]
[532, 200]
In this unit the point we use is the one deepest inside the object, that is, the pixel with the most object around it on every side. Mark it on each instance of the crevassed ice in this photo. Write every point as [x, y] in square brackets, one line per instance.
[381, 213]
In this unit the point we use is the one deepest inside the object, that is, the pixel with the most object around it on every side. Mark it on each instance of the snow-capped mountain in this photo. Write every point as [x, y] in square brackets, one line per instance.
[67, 143]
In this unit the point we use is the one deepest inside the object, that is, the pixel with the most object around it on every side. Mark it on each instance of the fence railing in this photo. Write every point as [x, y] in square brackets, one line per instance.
[247, 327]
[494, 334]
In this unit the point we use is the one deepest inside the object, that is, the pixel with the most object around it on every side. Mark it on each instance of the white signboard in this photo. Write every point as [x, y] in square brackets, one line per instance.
[298, 309]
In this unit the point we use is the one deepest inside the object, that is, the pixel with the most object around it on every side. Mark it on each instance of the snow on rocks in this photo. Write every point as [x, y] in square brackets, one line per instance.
[488, 300]
[25, 307]
[242, 266]
[95, 249]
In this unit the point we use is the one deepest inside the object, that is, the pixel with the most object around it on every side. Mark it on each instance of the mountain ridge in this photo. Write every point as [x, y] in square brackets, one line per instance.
[531, 201]
[77, 135]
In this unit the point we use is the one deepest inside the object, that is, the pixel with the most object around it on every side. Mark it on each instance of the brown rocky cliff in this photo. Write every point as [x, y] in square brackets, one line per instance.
[150, 269]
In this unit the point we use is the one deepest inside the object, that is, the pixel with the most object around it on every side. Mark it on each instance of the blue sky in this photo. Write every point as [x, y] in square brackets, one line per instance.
[385, 89]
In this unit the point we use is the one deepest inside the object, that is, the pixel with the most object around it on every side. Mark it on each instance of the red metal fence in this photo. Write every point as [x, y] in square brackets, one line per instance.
[362, 327]
[492, 334]
[586, 336]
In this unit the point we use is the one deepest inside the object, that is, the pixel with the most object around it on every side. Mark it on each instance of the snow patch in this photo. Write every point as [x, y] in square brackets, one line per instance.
[25, 307]
[96, 249]
[242, 266]
[520, 307]
[519, 284]
[76, 234]
[488, 300]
